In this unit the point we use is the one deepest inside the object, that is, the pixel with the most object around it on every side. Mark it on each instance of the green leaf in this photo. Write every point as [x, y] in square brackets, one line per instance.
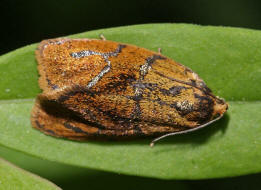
[56, 172]
[12, 177]
[228, 59]
[82, 177]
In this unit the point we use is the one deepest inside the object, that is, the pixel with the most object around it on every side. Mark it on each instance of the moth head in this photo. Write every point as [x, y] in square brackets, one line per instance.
[220, 107]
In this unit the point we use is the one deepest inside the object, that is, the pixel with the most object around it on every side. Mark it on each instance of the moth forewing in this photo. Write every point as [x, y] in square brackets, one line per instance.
[98, 89]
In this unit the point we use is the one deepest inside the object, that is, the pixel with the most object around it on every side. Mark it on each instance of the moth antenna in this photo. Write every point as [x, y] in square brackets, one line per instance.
[159, 50]
[102, 37]
[183, 132]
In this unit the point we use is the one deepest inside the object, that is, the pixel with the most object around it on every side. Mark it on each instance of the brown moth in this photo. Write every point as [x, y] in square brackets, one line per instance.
[103, 89]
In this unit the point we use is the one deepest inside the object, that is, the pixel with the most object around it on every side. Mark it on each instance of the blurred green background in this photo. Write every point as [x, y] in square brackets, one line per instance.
[26, 22]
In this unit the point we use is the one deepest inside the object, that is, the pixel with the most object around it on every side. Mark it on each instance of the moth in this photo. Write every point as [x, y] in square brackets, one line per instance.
[100, 89]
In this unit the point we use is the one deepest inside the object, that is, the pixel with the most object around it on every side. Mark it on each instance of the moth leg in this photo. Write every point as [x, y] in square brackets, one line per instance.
[102, 37]
[159, 50]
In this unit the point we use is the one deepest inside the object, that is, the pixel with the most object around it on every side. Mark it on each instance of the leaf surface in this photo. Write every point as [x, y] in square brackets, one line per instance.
[12, 177]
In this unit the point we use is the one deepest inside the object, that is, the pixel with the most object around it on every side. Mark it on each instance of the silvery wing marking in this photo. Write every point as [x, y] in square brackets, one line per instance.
[85, 53]
[99, 76]
[139, 85]
[105, 56]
